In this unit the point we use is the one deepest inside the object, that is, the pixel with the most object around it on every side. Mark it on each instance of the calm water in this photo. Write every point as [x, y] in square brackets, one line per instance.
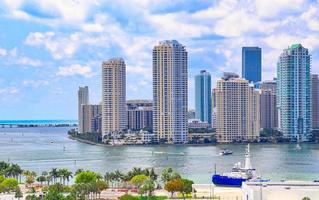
[38, 122]
[32, 149]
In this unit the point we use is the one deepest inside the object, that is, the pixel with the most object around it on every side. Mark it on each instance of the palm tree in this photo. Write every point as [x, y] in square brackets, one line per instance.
[65, 174]
[108, 177]
[118, 177]
[54, 174]
[153, 176]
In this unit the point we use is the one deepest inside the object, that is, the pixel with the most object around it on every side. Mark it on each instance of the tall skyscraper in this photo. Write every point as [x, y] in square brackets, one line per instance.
[251, 64]
[83, 99]
[294, 92]
[170, 92]
[238, 110]
[139, 114]
[90, 112]
[315, 101]
[113, 96]
[203, 97]
[268, 107]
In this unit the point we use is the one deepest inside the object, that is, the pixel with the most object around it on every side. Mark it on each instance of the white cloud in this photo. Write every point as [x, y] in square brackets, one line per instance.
[73, 13]
[35, 83]
[311, 17]
[8, 90]
[271, 8]
[75, 69]
[29, 61]
[58, 46]
[3, 52]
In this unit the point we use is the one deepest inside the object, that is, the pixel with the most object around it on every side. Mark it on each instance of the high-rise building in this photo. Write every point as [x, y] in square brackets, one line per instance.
[214, 112]
[251, 64]
[170, 92]
[203, 97]
[294, 92]
[268, 107]
[90, 112]
[191, 114]
[238, 110]
[113, 96]
[83, 98]
[139, 114]
[315, 101]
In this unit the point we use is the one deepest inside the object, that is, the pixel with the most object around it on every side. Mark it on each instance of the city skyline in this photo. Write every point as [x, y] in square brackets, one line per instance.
[54, 51]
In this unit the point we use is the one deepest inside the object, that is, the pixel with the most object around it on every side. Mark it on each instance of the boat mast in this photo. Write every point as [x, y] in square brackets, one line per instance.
[247, 158]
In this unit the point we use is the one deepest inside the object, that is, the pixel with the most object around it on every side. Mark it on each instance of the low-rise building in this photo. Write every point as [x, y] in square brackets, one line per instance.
[196, 123]
[292, 190]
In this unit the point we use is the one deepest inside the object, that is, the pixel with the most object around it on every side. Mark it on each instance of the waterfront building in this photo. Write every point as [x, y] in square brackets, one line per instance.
[268, 106]
[96, 123]
[191, 114]
[197, 124]
[203, 97]
[83, 98]
[315, 100]
[170, 92]
[139, 114]
[147, 137]
[251, 64]
[113, 96]
[238, 110]
[90, 112]
[214, 108]
[294, 92]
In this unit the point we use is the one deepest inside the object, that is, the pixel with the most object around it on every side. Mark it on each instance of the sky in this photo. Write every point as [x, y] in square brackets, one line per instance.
[48, 48]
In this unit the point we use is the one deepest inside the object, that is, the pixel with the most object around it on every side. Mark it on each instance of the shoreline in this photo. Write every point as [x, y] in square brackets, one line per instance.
[165, 145]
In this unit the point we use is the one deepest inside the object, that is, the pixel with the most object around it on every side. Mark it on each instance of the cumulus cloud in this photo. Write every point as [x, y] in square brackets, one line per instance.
[272, 8]
[75, 69]
[59, 47]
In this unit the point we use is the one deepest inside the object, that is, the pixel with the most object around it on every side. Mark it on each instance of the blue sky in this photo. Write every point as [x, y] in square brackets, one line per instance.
[50, 47]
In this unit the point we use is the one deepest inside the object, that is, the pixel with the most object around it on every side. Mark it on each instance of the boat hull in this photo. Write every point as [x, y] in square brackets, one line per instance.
[227, 181]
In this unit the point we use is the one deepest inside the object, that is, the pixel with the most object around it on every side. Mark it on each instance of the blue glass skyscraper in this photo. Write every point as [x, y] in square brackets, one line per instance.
[294, 92]
[203, 97]
[251, 64]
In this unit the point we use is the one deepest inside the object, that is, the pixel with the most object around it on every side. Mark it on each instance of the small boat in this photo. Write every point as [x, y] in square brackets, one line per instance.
[225, 152]
[238, 174]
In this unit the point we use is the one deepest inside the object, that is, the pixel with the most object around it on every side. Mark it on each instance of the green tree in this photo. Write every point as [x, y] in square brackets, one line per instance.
[1, 178]
[18, 194]
[187, 187]
[9, 184]
[147, 187]
[41, 179]
[168, 174]
[138, 180]
[306, 198]
[86, 177]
